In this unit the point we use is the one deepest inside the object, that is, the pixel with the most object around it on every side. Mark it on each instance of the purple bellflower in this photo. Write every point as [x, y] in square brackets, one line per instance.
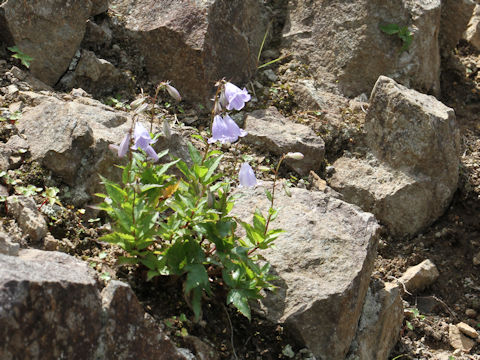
[225, 130]
[246, 176]
[121, 149]
[143, 141]
[236, 98]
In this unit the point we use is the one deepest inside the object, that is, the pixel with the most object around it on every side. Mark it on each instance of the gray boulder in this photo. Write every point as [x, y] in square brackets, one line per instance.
[271, 131]
[97, 76]
[50, 31]
[344, 39]
[323, 263]
[51, 308]
[413, 174]
[196, 43]
[380, 324]
[7, 246]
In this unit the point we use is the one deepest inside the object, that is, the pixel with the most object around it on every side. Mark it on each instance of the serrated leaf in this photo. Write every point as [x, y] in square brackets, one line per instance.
[240, 301]
[194, 153]
[269, 195]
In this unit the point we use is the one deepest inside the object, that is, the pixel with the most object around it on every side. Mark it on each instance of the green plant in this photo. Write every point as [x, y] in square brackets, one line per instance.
[24, 58]
[403, 33]
[181, 226]
[414, 314]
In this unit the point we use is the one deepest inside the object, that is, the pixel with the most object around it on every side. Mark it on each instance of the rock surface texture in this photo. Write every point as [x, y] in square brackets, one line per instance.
[380, 323]
[323, 263]
[196, 43]
[344, 38]
[50, 308]
[271, 131]
[413, 174]
[28, 217]
[50, 31]
[472, 34]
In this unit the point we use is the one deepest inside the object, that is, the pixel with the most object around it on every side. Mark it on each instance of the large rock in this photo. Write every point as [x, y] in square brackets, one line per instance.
[97, 76]
[343, 38]
[196, 43]
[415, 133]
[413, 175]
[455, 17]
[50, 31]
[323, 263]
[399, 201]
[50, 308]
[380, 323]
[72, 140]
[28, 217]
[472, 33]
[271, 131]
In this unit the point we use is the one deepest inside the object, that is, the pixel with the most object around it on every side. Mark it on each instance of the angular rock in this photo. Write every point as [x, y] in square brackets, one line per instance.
[50, 31]
[458, 340]
[472, 34]
[415, 142]
[196, 43]
[467, 330]
[128, 331]
[7, 246]
[357, 51]
[271, 131]
[323, 263]
[452, 26]
[72, 140]
[380, 323]
[29, 219]
[418, 277]
[50, 308]
[97, 76]
[399, 201]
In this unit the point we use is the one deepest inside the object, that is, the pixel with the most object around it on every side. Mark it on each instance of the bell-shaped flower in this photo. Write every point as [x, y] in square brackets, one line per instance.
[236, 98]
[123, 148]
[225, 130]
[143, 141]
[246, 176]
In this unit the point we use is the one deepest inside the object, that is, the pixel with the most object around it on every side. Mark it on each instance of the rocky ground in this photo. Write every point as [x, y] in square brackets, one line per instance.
[452, 243]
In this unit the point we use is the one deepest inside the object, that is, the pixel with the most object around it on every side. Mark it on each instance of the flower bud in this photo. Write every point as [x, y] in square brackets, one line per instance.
[136, 103]
[173, 92]
[142, 108]
[294, 156]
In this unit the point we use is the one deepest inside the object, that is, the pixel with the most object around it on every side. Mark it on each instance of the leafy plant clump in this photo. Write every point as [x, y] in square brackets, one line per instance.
[24, 58]
[403, 33]
[181, 226]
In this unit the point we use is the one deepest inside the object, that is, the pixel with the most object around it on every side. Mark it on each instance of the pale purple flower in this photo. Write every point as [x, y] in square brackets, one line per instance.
[225, 130]
[143, 140]
[123, 148]
[246, 176]
[236, 98]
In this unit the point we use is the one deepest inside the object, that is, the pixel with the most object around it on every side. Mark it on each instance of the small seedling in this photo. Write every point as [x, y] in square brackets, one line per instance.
[403, 33]
[24, 58]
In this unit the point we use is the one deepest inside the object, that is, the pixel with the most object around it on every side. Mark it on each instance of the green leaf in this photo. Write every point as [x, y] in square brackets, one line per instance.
[212, 167]
[197, 277]
[194, 154]
[390, 29]
[269, 195]
[240, 301]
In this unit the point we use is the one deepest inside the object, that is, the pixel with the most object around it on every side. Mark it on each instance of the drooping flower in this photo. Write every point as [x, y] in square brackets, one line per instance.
[236, 98]
[143, 141]
[123, 148]
[225, 130]
[246, 176]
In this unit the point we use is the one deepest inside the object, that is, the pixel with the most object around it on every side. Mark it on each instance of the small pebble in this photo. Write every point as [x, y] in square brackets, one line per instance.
[471, 313]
